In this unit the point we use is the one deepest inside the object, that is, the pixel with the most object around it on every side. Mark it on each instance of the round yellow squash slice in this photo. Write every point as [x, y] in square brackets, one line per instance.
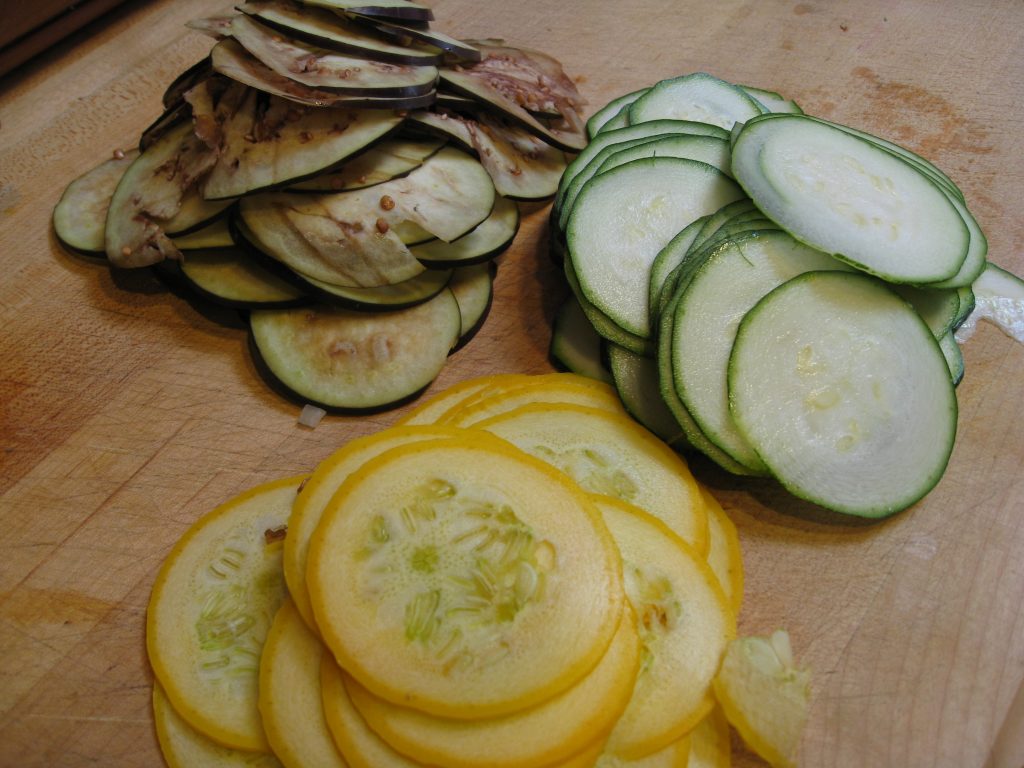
[567, 388]
[185, 747]
[210, 610]
[611, 455]
[321, 486]
[548, 733]
[289, 695]
[685, 625]
[464, 578]
[361, 747]
[432, 410]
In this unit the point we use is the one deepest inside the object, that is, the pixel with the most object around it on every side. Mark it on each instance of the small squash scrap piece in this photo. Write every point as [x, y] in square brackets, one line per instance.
[464, 578]
[765, 696]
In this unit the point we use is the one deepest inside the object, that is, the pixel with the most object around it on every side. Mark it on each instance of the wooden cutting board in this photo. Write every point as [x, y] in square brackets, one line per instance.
[127, 412]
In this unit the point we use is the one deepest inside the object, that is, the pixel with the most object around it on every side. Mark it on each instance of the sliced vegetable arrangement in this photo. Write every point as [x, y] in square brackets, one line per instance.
[334, 169]
[462, 590]
[787, 301]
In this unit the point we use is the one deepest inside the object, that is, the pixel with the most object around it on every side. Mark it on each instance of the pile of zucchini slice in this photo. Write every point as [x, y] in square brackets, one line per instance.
[344, 173]
[774, 290]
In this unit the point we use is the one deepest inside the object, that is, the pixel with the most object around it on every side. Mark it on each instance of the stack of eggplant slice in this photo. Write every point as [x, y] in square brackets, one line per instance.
[345, 174]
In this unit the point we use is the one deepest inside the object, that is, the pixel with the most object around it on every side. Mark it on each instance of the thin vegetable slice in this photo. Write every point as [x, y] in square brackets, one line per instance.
[321, 68]
[473, 288]
[487, 240]
[210, 610]
[724, 555]
[547, 733]
[438, 568]
[330, 30]
[433, 410]
[361, 747]
[149, 194]
[710, 745]
[685, 623]
[568, 388]
[844, 393]
[610, 454]
[322, 485]
[765, 696]
[355, 361]
[266, 141]
[384, 161]
[289, 696]
[79, 216]
[184, 747]
[849, 197]
[623, 218]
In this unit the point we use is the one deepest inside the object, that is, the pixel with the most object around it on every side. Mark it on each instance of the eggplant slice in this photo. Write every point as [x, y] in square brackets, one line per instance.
[384, 161]
[521, 166]
[80, 215]
[518, 83]
[330, 30]
[227, 276]
[387, 9]
[473, 286]
[400, 32]
[350, 238]
[329, 70]
[355, 361]
[150, 194]
[265, 141]
[230, 59]
[490, 238]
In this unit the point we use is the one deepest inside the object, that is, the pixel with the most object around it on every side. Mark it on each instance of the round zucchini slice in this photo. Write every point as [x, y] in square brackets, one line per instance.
[210, 610]
[844, 393]
[464, 578]
[849, 197]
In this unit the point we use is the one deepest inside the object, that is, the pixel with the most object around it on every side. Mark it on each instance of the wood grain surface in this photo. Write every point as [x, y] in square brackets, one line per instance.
[127, 412]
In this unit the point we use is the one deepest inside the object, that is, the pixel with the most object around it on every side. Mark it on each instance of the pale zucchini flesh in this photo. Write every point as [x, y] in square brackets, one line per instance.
[731, 280]
[624, 217]
[844, 393]
[848, 197]
[699, 97]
